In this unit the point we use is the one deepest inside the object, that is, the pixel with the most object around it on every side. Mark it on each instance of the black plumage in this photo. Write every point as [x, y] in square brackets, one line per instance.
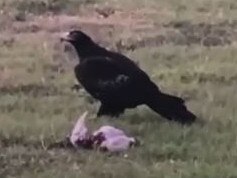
[118, 83]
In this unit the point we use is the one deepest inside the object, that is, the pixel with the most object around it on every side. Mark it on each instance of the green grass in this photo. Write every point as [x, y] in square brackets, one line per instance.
[37, 106]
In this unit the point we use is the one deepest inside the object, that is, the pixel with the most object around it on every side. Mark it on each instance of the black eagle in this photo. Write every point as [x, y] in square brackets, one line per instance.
[118, 83]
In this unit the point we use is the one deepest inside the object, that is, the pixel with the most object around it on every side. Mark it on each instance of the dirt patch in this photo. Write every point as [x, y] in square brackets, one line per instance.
[103, 24]
[123, 30]
[99, 17]
[186, 33]
[206, 34]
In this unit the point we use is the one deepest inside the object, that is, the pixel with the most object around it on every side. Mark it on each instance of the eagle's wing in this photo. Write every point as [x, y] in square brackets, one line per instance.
[101, 75]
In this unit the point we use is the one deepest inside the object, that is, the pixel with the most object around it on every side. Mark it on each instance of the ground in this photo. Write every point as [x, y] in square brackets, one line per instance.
[187, 47]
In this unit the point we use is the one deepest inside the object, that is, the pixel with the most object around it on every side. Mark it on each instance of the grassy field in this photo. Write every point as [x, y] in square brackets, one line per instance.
[189, 48]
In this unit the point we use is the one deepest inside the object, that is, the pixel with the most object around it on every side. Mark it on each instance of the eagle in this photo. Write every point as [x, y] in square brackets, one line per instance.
[118, 83]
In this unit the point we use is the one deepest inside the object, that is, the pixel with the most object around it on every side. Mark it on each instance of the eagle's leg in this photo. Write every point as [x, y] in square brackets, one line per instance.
[109, 111]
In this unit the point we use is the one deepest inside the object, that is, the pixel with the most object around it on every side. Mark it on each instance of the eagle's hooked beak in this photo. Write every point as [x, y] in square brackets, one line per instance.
[65, 37]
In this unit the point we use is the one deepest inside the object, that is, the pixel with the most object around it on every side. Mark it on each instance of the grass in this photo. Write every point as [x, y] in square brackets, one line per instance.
[45, 6]
[37, 106]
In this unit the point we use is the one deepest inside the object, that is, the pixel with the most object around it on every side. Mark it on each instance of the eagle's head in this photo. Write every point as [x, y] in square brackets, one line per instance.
[75, 37]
